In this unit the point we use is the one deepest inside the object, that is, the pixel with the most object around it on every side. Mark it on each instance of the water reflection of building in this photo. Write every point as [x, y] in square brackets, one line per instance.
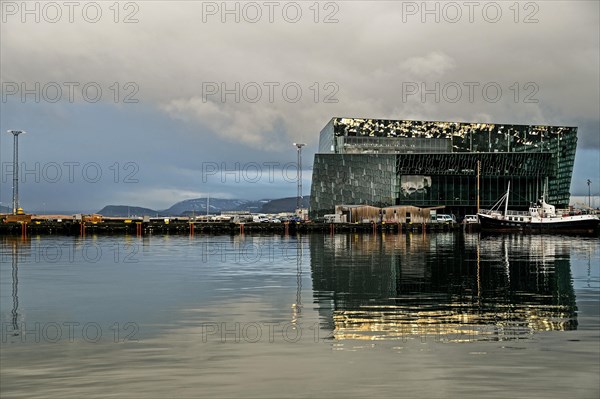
[442, 285]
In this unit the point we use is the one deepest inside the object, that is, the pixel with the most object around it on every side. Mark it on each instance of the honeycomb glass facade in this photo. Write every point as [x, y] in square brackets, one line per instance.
[422, 163]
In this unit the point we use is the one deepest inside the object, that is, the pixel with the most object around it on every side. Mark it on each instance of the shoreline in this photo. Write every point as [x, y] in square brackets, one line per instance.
[133, 227]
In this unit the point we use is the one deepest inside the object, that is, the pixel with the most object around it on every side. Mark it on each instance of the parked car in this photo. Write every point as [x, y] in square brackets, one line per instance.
[444, 218]
[332, 218]
[260, 218]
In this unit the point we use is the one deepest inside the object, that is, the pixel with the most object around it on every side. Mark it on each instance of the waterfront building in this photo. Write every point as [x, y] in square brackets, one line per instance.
[429, 164]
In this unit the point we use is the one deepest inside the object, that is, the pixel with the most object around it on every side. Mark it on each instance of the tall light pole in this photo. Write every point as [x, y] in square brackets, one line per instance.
[15, 200]
[589, 182]
[299, 175]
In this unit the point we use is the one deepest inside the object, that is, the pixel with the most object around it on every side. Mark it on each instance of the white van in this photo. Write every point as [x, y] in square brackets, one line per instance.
[260, 218]
[332, 218]
[443, 218]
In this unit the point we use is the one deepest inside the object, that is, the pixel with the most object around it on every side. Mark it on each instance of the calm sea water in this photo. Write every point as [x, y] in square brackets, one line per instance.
[436, 315]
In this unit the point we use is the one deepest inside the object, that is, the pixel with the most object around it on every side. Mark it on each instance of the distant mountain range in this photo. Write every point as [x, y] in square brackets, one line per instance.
[284, 205]
[127, 211]
[216, 205]
[198, 206]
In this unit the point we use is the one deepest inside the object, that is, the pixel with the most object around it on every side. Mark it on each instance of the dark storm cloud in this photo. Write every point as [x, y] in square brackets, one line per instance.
[375, 59]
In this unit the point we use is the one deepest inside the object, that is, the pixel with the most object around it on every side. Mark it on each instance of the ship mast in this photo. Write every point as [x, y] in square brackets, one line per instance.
[506, 200]
[478, 175]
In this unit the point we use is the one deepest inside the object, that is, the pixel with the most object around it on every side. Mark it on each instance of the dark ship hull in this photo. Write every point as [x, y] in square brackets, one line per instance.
[587, 224]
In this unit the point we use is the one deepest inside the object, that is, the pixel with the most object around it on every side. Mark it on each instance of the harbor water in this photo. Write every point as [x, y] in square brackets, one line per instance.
[347, 315]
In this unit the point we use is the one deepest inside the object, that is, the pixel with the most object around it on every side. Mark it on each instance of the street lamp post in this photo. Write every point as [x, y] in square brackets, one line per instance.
[589, 182]
[299, 175]
[15, 199]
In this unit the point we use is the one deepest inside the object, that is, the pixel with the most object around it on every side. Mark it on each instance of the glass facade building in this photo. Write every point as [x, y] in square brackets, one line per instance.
[425, 164]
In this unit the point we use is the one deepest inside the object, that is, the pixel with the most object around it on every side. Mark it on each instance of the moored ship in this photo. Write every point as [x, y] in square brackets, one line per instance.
[540, 218]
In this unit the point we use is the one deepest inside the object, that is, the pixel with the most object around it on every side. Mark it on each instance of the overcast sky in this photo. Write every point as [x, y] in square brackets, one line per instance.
[153, 102]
